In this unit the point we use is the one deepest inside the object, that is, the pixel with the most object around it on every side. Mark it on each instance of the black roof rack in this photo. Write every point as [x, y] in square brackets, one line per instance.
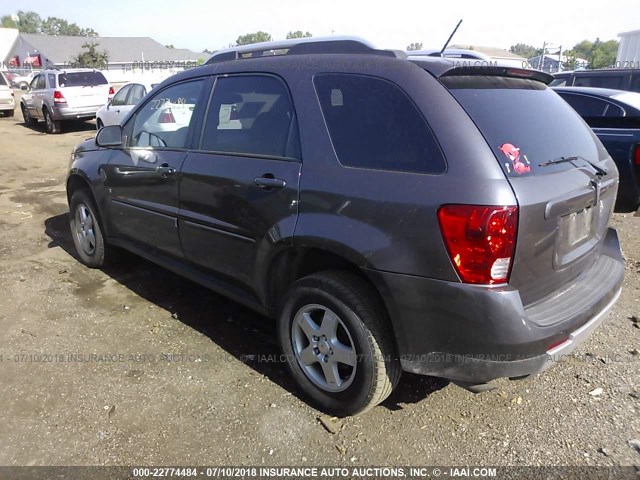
[302, 46]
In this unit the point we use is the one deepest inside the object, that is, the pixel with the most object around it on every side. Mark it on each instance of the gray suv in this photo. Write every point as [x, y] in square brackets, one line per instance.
[391, 213]
[56, 96]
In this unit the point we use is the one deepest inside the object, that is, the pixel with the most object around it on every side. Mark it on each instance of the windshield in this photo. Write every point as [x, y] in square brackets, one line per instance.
[81, 79]
[525, 123]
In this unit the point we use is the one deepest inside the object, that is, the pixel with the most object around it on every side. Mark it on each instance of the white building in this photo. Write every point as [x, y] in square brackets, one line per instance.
[629, 50]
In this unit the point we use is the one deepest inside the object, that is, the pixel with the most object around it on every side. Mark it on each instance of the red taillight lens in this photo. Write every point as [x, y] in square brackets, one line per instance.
[166, 116]
[480, 240]
[111, 91]
[636, 157]
[58, 97]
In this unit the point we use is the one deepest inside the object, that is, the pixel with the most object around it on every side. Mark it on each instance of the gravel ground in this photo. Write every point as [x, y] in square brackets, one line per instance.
[135, 365]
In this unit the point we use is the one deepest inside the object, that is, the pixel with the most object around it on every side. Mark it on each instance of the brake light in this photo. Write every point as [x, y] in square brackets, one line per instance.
[58, 97]
[111, 91]
[480, 240]
[166, 116]
[636, 161]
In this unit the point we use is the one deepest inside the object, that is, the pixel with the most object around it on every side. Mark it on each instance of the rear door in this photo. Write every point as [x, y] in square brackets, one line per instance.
[564, 207]
[239, 190]
[84, 89]
[143, 178]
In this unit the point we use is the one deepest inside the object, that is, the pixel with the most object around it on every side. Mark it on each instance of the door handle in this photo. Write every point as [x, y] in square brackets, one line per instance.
[269, 182]
[165, 170]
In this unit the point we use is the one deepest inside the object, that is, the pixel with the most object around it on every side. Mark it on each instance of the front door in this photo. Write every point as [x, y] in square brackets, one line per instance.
[143, 178]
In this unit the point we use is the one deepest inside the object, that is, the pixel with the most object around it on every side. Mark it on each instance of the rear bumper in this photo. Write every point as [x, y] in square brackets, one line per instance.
[73, 113]
[475, 334]
[7, 104]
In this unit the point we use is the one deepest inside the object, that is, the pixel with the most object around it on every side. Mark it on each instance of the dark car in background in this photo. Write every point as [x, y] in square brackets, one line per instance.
[614, 116]
[391, 213]
[615, 78]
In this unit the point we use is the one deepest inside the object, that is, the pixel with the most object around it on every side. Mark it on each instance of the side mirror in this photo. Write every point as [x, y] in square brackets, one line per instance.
[109, 136]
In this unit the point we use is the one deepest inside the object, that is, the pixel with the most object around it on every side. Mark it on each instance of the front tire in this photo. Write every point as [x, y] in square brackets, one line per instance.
[87, 232]
[334, 330]
[29, 121]
[53, 126]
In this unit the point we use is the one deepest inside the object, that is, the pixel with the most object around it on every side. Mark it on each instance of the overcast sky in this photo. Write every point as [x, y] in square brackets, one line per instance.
[200, 24]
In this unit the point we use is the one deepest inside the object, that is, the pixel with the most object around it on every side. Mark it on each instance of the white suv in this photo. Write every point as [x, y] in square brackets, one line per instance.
[59, 95]
[7, 101]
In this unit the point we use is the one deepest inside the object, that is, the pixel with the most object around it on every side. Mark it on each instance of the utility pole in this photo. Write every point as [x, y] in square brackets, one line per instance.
[560, 65]
[541, 63]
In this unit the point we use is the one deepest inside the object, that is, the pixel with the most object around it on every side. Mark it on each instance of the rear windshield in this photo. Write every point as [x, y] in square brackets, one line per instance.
[81, 79]
[524, 122]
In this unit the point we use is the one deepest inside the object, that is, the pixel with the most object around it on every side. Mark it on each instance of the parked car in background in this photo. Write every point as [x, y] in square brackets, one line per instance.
[428, 229]
[121, 104]
[615, 78]
[56, 96]
[22, 81]
[7, 98]
[614, 116]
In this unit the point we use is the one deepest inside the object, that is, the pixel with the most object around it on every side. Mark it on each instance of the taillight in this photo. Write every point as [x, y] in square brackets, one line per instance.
[58, 97]
[166, 116]
[636, 161]
[111, 91]
[480, 240]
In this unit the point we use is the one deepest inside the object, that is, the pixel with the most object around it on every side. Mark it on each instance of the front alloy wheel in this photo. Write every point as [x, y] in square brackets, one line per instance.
[85, 235]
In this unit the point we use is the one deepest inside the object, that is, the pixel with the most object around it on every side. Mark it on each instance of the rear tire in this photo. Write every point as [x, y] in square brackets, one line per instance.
[87, 232]
[335, 333]
[53, 126]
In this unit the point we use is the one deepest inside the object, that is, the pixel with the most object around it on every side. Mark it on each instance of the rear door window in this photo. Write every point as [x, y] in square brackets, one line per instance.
[81, 79]
[52, 80]
[373, 124]
[585, 105]
[524, 122]
[137, 93]
[251, 115]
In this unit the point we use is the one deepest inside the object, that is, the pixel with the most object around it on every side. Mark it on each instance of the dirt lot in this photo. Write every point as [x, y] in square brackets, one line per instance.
[181, 376]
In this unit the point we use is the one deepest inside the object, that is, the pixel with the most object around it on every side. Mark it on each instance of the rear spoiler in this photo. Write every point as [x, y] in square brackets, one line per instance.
[499, 72]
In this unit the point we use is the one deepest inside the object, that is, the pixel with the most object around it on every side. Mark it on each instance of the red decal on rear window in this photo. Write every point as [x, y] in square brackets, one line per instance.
[519, 165]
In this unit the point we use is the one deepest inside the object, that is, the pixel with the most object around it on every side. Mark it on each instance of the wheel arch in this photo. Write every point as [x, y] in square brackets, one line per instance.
[299, 261]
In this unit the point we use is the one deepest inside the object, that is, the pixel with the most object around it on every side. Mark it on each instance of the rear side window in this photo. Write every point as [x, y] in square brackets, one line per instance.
[137, 93]
[591, 107]
[635, 83]
[251, 115]
[80, 79]
[373, 124]
[603, 81]
[52, 80]
[524, 122]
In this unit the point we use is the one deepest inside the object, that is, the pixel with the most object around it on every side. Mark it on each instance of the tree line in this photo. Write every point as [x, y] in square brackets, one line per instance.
[31, 22]
[598, 54]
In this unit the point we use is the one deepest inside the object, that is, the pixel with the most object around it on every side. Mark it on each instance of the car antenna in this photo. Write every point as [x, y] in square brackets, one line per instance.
[450, 37]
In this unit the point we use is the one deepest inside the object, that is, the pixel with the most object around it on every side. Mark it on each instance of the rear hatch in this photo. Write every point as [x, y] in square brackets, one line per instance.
[84, 89]
[563, 178]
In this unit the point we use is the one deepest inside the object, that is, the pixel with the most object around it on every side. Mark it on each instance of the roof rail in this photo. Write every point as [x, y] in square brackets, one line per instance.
[301, 46]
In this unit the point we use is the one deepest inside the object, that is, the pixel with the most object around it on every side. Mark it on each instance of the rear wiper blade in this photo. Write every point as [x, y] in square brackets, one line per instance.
[601, 172]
